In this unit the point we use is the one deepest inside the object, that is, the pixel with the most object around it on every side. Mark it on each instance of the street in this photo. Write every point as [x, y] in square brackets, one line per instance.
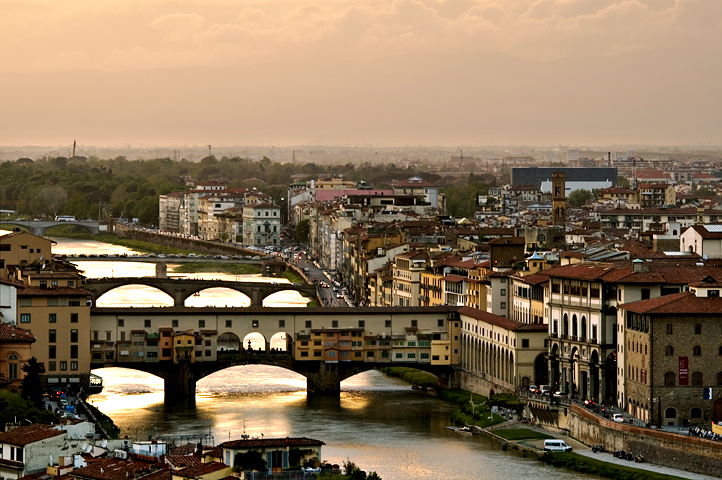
[328, 295]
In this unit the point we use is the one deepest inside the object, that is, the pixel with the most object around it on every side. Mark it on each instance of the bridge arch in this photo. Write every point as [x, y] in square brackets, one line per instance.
[128, 294]
[301, 300]
[218, 296]
[228, 342]
[255, 342]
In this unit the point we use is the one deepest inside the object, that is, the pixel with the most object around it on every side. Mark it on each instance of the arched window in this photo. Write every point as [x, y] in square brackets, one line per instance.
[720, 350]
[698, 329]
[670, 413]
[697, 379]
[669, 379]
[669, 350]
[719, 378]
[583, 333]
[575, 327]
[697, 351]
[696, 412]
[566, 325]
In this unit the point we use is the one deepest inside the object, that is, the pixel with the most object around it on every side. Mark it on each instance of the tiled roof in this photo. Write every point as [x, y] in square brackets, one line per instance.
[115, 469]
[685, 303]
[508, 241]
[490, 318]
[534, 279]
[270, 442]
[705, 233]
[454, 278]
[54, 292]
[182, 461]
[10, 333]
[199, 470]
[22, 436]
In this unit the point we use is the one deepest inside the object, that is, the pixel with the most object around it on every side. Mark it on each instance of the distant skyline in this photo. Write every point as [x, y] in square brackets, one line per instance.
[334, 72]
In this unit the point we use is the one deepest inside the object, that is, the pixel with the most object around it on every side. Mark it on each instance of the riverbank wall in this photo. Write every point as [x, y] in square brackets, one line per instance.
[480, 384]
[657, 446]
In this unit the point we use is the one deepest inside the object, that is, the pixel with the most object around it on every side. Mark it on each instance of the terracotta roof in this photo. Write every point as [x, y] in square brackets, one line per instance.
[115, 468]
[490, 318]
[270, 442]
[533, 327]
[199, 470]
[22, 436]
[454, 278]
[10, 333]
[685, 303]
[508, 241]
[182, 461]
[704, 233]
[54, 292]
[534, 279]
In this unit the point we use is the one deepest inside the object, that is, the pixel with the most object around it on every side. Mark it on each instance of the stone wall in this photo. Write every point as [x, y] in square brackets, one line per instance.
[659, 447]
[477, 384]
[198, 246]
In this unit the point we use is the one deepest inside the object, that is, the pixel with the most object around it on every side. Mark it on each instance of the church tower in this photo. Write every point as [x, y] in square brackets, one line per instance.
[559, 199]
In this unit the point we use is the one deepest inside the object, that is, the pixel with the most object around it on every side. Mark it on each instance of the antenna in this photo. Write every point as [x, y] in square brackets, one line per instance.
[209, 150]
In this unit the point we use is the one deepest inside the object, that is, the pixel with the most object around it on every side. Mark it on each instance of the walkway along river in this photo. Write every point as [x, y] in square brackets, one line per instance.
[378, 422]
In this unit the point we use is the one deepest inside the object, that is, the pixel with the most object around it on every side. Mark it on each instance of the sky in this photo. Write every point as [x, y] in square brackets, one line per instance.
[354, 72]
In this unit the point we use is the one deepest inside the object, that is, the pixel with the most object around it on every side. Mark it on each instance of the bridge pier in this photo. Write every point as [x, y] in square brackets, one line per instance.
[180, 384]
[324, 380]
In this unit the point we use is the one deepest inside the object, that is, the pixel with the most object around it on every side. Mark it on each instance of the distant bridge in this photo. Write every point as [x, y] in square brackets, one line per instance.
[181, 289]
[39, 227]
[166, 259]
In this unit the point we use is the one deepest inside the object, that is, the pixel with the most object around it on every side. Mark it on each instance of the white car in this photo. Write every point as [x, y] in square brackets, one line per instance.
[618, 417]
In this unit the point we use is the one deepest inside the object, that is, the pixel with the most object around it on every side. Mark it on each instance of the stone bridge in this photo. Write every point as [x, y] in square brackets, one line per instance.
[321, 378]
[181, 289]
[38, 228]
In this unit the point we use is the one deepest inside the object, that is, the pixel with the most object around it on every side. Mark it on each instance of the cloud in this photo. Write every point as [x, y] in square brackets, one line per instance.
[179, 26]
[219, 32]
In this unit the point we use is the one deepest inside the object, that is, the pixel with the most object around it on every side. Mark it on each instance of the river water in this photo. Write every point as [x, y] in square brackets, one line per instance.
[378, 422]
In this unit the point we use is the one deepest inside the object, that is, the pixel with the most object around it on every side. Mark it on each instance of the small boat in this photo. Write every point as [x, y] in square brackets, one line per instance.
[461, 429]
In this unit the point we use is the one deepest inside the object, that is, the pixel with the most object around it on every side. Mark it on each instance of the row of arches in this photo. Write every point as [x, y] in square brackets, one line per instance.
[216, 296]
[483, 357]
[577, 329]
[229, 342]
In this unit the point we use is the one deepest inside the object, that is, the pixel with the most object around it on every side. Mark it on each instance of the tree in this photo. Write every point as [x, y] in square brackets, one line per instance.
[302, 230]
[580, 197]
[707, 192]
[622, 181]
[251, 460]
[31, 388]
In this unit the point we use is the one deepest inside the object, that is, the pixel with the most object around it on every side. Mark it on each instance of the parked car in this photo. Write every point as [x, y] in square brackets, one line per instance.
[533, 388]
[618, 417]
[561, 394]
[556, 446]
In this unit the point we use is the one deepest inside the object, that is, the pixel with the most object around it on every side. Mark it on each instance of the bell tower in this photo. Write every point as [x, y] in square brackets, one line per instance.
[559, 199]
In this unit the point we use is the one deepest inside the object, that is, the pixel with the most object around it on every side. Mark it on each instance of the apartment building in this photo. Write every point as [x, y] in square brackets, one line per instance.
[261, 224]
[22, 249]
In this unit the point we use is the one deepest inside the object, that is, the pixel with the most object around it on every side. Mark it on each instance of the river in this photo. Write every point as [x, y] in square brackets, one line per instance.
[378, 422]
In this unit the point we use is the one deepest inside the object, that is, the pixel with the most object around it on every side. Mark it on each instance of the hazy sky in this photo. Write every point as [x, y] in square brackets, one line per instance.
[361, 71]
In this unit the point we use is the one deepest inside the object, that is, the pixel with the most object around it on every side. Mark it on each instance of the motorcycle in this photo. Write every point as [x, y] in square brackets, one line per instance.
[620, 454]
[639, 459]
[597, 448]
[629, 457]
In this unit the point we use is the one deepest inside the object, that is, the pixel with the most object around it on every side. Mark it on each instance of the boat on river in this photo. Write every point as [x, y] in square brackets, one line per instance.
[461, 429]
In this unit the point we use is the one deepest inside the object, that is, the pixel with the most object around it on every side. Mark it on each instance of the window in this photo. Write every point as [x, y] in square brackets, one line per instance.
[73, 351]
[281, 324]
[697, 379]
[503, 305]
[524, 343]
[24, 318]
[334, 323]
[698, 329]
[52, 337]
[670, 413]
[669, 329]
[398, 355]
[503, 292]
[74, 336]
[121, 322]
[73, 318]
[555, 288]
[308, 323]
[52, 318]
[25, 302]
[646, 292]
[696, 412]
[108, 336]
[697, 351]
[63, 366]
[331, 353]
[440, 322]
[52, 351]
[669, 379]
[146, 323]
[74, 365]
[594, 292]
[13, 370]
[207, 353]
[669, 350]
[387, 324]
[361, 324]
[229, 323]
[304, 354]
[410, 355]
[52, 366]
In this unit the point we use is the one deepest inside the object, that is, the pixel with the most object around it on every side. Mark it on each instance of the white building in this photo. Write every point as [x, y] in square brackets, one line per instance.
[261, 224]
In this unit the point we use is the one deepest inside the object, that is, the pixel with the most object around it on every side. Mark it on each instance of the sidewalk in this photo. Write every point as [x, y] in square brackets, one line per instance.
[584, 450]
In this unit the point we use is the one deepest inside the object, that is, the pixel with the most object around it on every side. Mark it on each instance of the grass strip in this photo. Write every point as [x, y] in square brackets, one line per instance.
[229, 268]
[411, 375]
[521, 434]
[581, 464]
[293, 277]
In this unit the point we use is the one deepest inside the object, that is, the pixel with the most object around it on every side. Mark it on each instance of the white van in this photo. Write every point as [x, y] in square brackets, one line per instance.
[556, 446]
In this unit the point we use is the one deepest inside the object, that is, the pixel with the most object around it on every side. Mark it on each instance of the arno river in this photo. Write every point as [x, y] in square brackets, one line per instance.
[379, 423]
